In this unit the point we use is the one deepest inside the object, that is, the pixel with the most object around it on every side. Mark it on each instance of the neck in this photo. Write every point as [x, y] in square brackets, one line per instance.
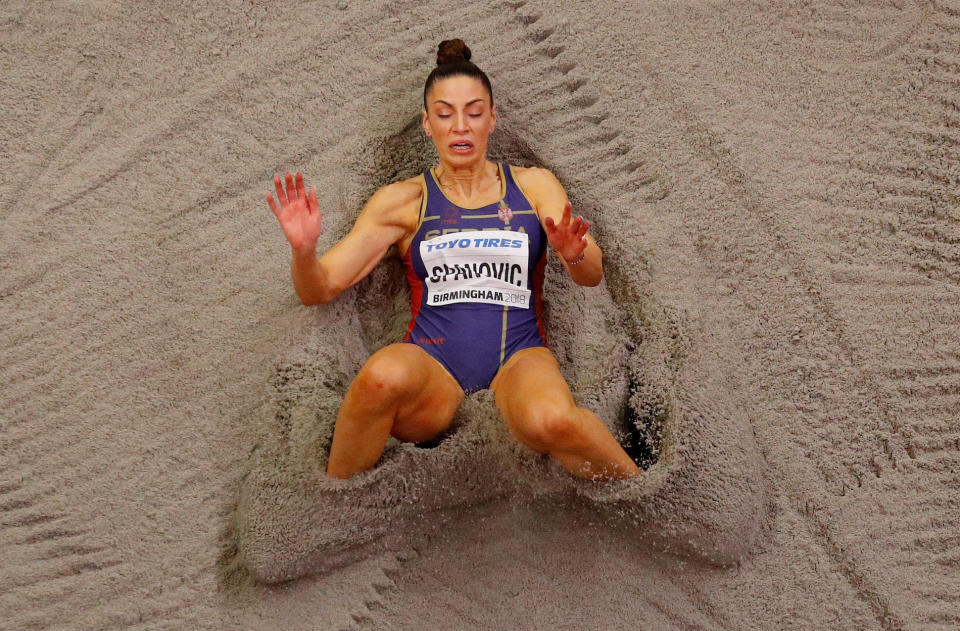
[467, 180]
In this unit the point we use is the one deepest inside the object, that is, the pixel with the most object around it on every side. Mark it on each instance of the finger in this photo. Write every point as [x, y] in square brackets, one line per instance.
[301, 193]
[566, 214]
[291, 189]
[273, 205]
[280, 195]
[312, 203]
[583, 229]
[549, 225]
[575, 224]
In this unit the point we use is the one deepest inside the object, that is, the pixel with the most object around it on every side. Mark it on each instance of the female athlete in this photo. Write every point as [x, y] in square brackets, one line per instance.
[473, 237]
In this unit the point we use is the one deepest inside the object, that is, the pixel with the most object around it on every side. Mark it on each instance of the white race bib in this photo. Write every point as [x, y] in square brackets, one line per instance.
[483, 266]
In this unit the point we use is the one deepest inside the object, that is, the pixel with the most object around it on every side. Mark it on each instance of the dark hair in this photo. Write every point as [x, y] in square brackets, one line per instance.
[453, 60]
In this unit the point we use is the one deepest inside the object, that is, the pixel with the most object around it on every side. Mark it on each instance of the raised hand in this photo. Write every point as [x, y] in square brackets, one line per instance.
[568, 236]
[299, 212]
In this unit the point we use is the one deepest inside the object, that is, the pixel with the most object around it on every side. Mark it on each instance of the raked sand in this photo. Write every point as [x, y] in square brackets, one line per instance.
[774, 185]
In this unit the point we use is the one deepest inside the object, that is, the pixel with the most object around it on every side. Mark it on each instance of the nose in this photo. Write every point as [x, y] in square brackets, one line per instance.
[460, 122]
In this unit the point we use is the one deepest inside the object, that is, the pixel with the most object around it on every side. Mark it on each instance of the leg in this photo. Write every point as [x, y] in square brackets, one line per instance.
[400, 391]
[541, 413]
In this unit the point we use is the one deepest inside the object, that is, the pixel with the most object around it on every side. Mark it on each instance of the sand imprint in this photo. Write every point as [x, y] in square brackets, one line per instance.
[626, 357]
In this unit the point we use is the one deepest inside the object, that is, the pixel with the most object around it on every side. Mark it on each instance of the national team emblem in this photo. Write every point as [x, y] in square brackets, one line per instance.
[504, 212]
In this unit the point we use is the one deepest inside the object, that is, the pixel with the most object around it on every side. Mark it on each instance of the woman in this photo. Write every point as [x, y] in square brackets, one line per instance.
[473, 237]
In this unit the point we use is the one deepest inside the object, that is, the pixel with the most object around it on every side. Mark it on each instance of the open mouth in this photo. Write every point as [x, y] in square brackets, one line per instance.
[462, 147]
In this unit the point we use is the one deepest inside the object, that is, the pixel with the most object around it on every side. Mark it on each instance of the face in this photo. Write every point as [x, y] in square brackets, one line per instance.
[459, 118]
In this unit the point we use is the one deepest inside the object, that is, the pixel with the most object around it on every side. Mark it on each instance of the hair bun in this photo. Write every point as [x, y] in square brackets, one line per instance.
[452, 51]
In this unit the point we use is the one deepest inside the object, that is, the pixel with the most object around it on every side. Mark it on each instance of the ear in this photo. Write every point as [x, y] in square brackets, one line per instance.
[493, 117]
[425, 121]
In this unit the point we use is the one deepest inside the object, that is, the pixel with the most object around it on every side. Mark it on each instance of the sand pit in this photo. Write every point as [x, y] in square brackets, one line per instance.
[774, 188]
[703, 493]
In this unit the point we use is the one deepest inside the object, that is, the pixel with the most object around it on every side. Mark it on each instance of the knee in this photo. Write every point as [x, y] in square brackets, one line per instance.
[552, 428]
[383, 378]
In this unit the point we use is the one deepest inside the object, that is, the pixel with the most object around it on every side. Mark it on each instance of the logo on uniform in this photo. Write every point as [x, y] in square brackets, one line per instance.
[450, 214]
[504, 212]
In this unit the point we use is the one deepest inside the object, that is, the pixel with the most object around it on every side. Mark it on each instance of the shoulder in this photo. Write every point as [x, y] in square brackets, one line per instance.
[541, 187]
[398, 193]
[535, 177]
[397, 203]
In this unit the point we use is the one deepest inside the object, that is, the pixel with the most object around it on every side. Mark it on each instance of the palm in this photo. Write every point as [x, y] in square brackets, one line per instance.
[298, 213]
[568, 238]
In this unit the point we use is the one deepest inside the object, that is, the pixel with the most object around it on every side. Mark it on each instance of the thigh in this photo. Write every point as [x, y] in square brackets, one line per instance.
[427, 396]
[530, 392]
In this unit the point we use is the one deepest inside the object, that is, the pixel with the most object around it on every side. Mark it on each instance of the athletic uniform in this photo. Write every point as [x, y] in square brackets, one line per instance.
[476, 276]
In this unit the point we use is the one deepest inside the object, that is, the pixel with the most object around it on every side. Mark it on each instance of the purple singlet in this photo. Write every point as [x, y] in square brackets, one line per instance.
[476, 276]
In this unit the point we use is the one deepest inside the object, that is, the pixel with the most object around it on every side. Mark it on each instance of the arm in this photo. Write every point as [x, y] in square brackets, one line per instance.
[385, 220]
[567, 236]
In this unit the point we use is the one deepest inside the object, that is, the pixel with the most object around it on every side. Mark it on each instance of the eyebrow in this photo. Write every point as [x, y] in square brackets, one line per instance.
[441, 102]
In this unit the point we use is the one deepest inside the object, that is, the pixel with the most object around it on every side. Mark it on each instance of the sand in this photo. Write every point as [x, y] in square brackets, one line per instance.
[774, 186]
